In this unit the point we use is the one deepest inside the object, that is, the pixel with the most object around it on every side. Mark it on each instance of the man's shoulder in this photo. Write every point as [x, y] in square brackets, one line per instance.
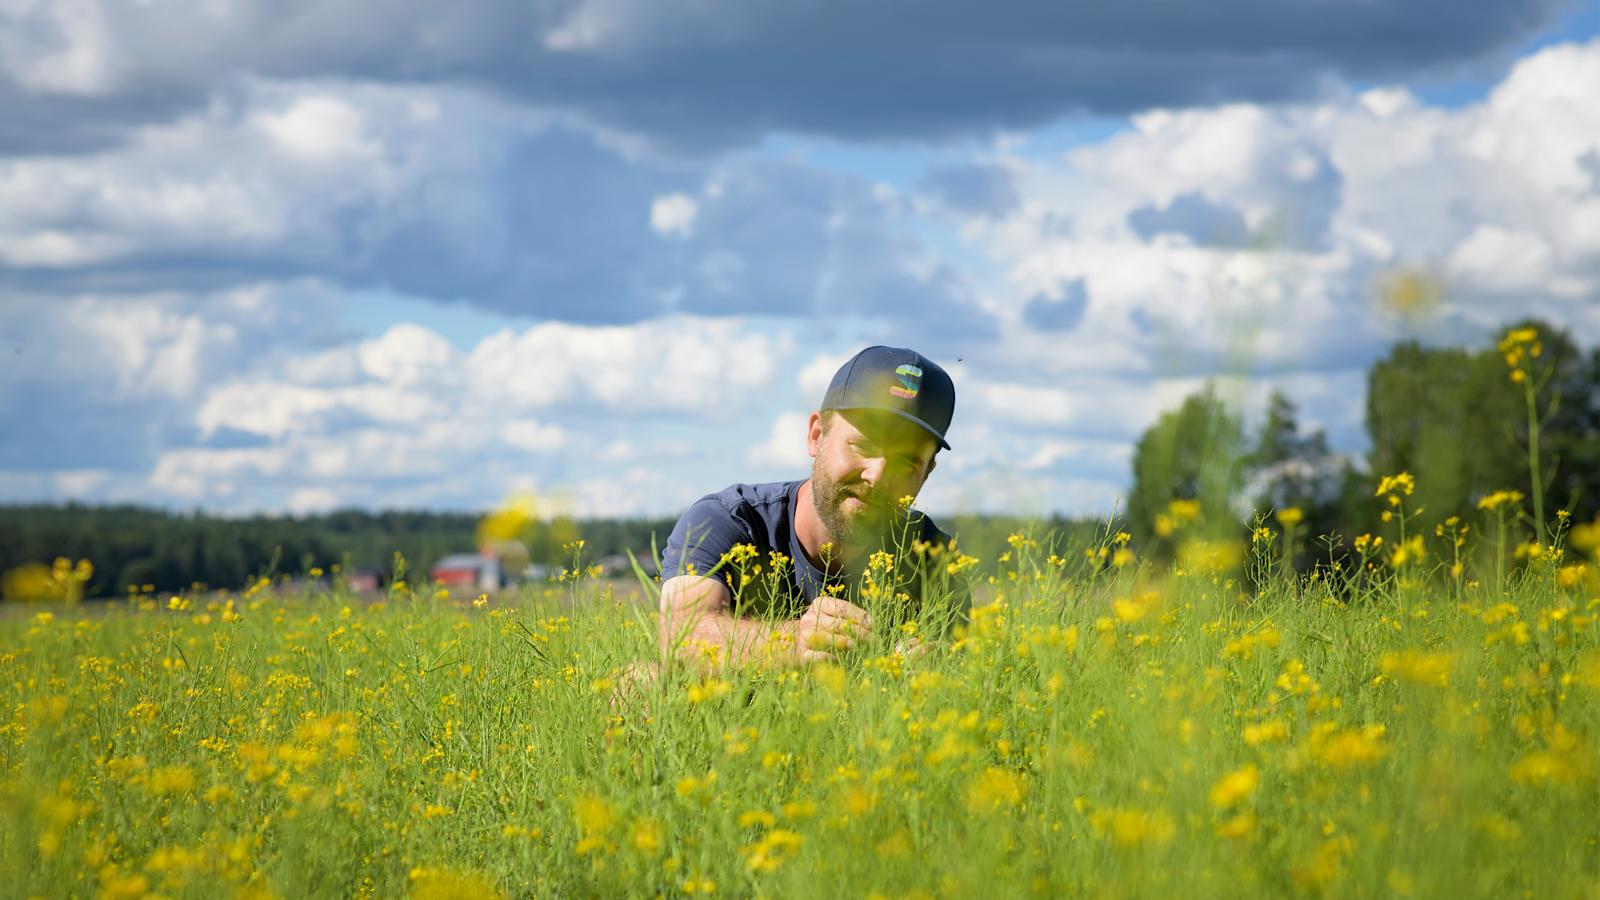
[930, 530]
[739, 513]
[742, 496]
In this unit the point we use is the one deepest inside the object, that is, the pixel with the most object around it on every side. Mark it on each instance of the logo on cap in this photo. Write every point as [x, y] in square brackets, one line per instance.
[910, 382]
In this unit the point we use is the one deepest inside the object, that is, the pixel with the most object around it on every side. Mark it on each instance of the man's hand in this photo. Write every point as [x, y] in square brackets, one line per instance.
[913, 648]
[829, 624]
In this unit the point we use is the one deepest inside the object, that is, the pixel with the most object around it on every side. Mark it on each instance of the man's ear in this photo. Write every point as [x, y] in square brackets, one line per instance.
[814, 434]
[932, 461]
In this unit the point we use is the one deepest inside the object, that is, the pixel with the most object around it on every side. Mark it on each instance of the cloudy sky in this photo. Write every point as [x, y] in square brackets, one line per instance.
[291, 255]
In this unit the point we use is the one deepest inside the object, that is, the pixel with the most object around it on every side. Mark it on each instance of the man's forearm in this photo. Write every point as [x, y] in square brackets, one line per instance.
[714, 639]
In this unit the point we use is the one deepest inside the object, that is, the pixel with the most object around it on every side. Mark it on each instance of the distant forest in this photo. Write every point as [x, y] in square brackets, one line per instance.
[1465, 422]
[171, 551]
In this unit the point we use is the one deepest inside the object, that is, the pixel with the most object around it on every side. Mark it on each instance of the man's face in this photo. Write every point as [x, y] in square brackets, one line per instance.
[862, 465]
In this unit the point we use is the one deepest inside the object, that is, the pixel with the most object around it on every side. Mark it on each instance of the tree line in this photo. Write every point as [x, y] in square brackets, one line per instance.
[132, 546]
[166, 551]
[1516, 420]
[149, 549]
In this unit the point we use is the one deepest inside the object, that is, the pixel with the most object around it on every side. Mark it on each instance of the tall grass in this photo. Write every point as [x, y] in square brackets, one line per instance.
[1096, 729]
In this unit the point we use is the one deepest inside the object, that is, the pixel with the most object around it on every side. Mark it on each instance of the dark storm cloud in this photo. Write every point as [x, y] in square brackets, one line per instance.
[529, 217]
[784, 238]
[730, 70]
[559, 229]
[37, 123]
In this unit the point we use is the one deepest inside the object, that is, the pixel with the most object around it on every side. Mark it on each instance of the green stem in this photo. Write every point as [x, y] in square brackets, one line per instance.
[1500, 554]
[1533, 460]
[1288, 553]
[1455, 543]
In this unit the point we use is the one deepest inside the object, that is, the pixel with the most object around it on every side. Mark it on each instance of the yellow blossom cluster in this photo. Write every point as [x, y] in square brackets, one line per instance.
[1520, 347]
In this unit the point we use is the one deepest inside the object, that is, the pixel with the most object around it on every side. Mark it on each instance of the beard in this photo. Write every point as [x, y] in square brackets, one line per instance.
[867, 522]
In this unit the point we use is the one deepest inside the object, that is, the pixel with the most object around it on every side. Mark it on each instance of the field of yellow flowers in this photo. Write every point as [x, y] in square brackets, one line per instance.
[1103, 727]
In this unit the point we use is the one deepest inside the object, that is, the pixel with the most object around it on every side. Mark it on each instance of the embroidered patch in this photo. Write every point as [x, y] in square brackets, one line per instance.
[910, 382]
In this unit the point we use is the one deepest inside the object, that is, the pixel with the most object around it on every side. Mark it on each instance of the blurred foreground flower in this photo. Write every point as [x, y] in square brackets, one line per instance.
[447, 884]
[1210, 557]
[1133, 827]
[1410, 293]
[1235, 786]
[63, 581]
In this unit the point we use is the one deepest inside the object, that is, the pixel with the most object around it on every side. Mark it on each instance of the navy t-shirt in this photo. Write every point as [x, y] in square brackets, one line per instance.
[762, 516]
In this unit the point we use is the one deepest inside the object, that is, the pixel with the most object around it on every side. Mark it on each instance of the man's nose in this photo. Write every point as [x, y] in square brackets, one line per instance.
[872, 469]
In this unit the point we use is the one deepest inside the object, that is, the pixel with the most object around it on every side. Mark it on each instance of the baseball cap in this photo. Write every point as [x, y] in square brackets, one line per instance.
[896, 380]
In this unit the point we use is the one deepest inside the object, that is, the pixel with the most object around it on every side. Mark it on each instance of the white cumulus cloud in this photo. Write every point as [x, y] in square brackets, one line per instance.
[673, 215]
[707, 367]
[785, 445]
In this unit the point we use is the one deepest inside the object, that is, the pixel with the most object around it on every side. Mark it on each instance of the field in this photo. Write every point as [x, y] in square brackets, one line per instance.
[1105, 727]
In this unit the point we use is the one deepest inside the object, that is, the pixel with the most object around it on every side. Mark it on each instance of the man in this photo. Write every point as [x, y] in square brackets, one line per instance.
[873, 443]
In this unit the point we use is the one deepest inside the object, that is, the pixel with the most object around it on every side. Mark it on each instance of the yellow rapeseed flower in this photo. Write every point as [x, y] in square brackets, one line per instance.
[449, 884]
[1571, 576]
[1238, 827]
[691, 785]
[777, 847]
[1407, 552]
[1235, 786]
[595, 819]
[1131, 609]
[1324, 864]
[1418, 667]
[1244, 646]
[1210, 557]
[961, 563]
[995, 788]
[757, 818]
[1133, 827]
[1565, 759]
[1394, 485]
[708, 690]
[692, 886]
[1184, 510]
[647, 835]
[1268, 732]
[1350, 747]
[1518, 347]
[1500, 498]
[170, 780]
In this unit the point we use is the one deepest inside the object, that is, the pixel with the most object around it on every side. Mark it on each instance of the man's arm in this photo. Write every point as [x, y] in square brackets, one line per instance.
[697, 613]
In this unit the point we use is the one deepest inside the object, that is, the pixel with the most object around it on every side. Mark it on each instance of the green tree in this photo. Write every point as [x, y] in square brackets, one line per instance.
[1576, 440]
[1290, 469]
[1455, 419]
[1195, 452]
[1565, 385]
[1418, 415]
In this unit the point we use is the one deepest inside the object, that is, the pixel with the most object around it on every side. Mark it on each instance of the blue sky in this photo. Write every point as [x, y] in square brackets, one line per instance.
[305, 256]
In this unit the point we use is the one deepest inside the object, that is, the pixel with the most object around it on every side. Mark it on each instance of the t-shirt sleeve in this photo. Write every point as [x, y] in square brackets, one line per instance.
[962, 605]
[703, 534]
[959, 586]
